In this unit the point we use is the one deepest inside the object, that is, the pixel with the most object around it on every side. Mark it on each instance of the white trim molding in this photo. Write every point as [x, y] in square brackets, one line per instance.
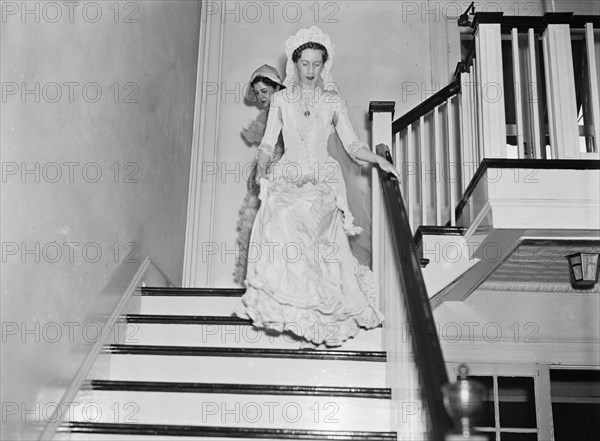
[146, 275]
[197, 271]
[560, 90]
[490, 89]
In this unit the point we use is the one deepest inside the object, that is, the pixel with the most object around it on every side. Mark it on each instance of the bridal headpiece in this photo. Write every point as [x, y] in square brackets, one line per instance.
[316, 35]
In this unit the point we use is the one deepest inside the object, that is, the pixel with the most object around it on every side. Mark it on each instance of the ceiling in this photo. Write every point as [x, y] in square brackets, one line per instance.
[540, 262]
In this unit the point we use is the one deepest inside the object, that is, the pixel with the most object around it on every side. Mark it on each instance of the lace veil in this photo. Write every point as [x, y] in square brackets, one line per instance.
[303, 36]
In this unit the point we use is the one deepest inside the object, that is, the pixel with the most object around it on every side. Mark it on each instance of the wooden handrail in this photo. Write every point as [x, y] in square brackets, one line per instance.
[426, 106]
[506, 23]
[523, 24]
[537, 23]
[426, 343]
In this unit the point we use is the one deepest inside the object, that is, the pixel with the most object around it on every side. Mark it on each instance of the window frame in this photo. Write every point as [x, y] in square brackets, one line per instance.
[541, 381]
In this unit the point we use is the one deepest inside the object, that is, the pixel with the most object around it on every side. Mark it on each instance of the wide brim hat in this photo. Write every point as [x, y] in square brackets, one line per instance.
[265, 71]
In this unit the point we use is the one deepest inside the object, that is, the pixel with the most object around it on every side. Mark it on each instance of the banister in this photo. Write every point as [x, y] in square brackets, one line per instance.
[507, 23]
[426, 106]
[426, 344]
[523, 24]
[537, 23]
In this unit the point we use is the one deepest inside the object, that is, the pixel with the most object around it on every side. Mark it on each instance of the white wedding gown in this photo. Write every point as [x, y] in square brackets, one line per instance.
[302, 276]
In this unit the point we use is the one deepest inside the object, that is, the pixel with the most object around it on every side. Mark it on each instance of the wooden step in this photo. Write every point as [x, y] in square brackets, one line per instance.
[189, 370]
[188, 305]
[280, 411]
[249, 368]
[227, 388]
[189, 301]
[193, 292]
[189, 330]
[215, 433]
[199, 351]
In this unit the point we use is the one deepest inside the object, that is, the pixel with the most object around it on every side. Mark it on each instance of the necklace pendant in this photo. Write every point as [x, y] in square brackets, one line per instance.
[307, 113]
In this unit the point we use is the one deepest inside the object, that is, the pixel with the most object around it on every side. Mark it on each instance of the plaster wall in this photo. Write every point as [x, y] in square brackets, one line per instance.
[402, 51]
[97, 111]
[381, 54]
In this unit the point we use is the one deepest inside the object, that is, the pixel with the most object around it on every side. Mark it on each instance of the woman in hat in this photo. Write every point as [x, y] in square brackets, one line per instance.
[263, 83]
[303, 277]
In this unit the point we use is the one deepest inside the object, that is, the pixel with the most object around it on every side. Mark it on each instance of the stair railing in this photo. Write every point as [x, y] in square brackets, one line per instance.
[415, 365]
[412, 341]
[426, 148]
[440, 145]
[526, 89]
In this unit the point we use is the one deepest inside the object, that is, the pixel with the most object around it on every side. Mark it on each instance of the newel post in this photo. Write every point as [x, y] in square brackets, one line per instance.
[489, 80]
[381, 114]
[560, 86]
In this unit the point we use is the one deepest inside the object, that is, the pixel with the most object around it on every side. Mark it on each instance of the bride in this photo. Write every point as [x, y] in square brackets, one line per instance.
[302, 277]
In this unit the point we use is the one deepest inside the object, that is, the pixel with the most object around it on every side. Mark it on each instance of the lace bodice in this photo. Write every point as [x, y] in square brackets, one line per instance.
[305, 112]
[307, 118]
[306, 126]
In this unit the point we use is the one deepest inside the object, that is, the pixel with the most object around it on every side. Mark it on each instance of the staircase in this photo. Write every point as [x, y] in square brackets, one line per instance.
[186, 369]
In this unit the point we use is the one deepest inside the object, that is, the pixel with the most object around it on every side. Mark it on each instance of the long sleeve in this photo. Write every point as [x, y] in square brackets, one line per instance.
[274, 125]
[345, 130]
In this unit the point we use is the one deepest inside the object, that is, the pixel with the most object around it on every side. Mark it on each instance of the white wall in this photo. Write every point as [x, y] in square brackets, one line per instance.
[380, 51]
[142, 213]
[582, 7]
[401, 51]
[556, 327]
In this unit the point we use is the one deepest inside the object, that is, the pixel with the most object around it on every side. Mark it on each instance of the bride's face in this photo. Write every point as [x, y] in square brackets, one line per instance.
[263, 93]
[309, 66]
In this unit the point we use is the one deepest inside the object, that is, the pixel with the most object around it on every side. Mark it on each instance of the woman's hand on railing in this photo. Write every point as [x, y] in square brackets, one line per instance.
[383, 163]
[364, 154]
[387, 166]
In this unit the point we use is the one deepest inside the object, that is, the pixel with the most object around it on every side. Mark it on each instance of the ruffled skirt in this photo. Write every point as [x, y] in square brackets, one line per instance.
[247, 215]
[301, 274]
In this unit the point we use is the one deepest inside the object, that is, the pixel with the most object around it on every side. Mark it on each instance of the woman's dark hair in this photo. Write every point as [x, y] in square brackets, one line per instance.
[310, 45]
[267, 81]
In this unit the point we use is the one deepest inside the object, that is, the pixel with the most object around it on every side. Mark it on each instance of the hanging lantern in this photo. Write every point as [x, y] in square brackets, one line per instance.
[583, 268]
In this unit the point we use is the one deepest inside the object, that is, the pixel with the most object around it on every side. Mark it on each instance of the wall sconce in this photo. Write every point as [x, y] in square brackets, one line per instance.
[584, 269]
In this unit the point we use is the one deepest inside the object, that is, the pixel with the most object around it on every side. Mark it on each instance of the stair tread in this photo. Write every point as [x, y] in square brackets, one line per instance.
[188, 305]
[215, 331]
[323, 354]
[249, 370]
[238, 388]
[231, 432]
[233, 410]
[199, 292]
[435, 230]
[185, 319]
[148, 374]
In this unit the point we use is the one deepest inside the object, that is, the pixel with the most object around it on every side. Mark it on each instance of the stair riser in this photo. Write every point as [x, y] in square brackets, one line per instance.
[121, 437]
[241, 370]
[233, 410]
[255, 360]
[232, 335]
[211, 306]
[323, 436]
